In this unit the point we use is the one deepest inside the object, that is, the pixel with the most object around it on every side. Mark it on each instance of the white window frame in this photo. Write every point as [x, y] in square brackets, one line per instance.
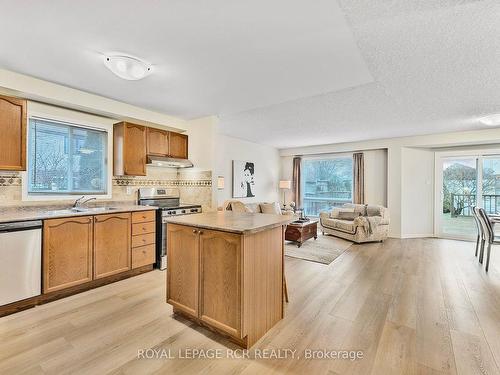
[480, 154]
[78, 119]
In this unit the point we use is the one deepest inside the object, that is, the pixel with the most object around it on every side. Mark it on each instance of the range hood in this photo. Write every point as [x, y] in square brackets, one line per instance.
[166, 162]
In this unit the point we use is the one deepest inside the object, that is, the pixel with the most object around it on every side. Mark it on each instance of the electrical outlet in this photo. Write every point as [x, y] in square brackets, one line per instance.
[130, 190]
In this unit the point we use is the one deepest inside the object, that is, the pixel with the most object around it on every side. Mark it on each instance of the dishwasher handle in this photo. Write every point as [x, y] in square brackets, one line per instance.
[20, 225]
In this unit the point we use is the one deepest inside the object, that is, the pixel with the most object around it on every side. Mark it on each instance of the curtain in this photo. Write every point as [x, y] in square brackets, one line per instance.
[296, 181]
[358, 164]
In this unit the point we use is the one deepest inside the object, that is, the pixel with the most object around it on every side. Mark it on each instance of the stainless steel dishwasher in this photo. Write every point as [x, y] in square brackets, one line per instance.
[20, 260]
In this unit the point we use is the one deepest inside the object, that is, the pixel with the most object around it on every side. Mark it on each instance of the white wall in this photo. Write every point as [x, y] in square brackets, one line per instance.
[376, 177]
[267, 168]
[417, 192]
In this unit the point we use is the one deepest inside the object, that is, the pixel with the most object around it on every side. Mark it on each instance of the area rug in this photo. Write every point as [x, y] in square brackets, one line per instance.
[323, 250]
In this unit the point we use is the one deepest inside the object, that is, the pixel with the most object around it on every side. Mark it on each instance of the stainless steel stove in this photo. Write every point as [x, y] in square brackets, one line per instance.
[168, 201]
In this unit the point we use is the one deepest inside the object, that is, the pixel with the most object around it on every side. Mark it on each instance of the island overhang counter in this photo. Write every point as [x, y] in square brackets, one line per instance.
[225, 270]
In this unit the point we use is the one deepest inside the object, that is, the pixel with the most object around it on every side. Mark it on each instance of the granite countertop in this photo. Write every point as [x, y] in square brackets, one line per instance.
[227, 221]
[24, 213]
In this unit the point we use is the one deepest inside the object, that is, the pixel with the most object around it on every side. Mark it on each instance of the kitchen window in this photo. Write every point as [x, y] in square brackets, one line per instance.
[66, 159]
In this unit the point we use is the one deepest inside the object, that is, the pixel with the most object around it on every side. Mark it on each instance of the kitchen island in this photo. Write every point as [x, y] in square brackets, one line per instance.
[225, 271]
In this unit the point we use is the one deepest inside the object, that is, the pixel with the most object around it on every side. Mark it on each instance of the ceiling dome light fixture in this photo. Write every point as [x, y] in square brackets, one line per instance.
[127, 67]
[490, 120]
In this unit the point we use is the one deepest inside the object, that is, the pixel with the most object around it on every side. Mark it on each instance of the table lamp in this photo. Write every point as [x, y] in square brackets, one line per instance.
[285, 185]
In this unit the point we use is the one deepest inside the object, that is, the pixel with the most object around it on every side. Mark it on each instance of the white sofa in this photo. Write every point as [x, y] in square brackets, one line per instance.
[368, 222]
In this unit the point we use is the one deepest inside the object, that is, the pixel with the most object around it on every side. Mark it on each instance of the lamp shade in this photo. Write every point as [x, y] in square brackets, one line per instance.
[285, 184]
[220, 182]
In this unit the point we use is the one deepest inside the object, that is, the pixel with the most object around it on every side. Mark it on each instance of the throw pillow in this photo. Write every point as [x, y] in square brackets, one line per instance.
[348, 215]
[270, 208]
[238, 206]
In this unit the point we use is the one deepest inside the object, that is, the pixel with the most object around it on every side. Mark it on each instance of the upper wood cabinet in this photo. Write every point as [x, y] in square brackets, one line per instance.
[178, 145]
[67, 252]
[112, 249]
[129, 148]
[13, 134]
[158, 142]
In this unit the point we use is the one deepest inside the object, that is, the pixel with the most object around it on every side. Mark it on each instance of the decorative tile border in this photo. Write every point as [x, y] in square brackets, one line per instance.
[10, 180]
[123, 181]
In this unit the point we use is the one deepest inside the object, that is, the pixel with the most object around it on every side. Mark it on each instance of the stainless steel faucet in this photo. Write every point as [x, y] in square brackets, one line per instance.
[79, 202]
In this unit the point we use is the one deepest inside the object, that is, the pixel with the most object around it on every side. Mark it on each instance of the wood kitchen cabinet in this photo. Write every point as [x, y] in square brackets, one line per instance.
[220, 287]
[158, 142]
[13, 129]
[183, 268]
[67, 252]
[178, 145]
[231, 282]
[112, 244]
[129, 149]
[83, 249]
[143, 238]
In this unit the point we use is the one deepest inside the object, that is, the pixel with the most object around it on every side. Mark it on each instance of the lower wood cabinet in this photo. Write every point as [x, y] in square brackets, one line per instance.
[67, 252]
[183, 268]
[230, 282]
[112, 249]
[220, 287]
[77, 250]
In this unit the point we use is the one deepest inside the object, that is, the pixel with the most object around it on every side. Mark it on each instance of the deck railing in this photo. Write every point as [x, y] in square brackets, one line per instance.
[313, 205]
[461, 204]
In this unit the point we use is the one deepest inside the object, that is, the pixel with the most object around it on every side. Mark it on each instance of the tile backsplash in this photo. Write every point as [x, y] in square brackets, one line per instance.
[194, 186]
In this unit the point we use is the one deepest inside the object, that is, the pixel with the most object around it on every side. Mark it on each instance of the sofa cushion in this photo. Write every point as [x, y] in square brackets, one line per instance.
[253, 207]
[342, 225]
[345, 225]
[361, 208]
[237, 206]
[270, 208]
[335, 214]
[348, 215]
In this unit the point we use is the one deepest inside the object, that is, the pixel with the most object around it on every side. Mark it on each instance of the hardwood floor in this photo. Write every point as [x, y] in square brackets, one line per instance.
[421, 306]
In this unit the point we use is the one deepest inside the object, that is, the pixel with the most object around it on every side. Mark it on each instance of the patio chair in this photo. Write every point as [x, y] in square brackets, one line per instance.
[480, 234]
[489, 236]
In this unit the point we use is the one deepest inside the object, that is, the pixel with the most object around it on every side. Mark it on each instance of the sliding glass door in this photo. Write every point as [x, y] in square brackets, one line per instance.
[326, 183]
[465, 182]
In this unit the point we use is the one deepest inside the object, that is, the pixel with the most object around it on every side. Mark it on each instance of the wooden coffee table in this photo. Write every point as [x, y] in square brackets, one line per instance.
[301, 232]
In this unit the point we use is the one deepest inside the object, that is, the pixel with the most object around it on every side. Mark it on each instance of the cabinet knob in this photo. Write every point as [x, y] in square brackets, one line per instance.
[195, 231]
[200, 232]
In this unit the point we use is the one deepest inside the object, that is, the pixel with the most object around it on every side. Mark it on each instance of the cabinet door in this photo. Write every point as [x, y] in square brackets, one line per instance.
[112, 250]
[157, 142]
[13, 138]
[134, 158]
[220, 302]
[67, 252]
[178, 145]
[183, 268]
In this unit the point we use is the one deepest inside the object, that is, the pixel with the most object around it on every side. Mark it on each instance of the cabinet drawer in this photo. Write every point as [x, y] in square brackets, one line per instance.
[143, 216]
[142, 256]
[143, 228]
[143, 239]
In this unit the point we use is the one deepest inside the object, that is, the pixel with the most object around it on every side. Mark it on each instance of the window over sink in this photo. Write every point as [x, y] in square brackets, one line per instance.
[66, 158]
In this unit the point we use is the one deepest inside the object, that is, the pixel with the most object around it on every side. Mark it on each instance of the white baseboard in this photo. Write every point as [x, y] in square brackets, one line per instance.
[405, 236]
